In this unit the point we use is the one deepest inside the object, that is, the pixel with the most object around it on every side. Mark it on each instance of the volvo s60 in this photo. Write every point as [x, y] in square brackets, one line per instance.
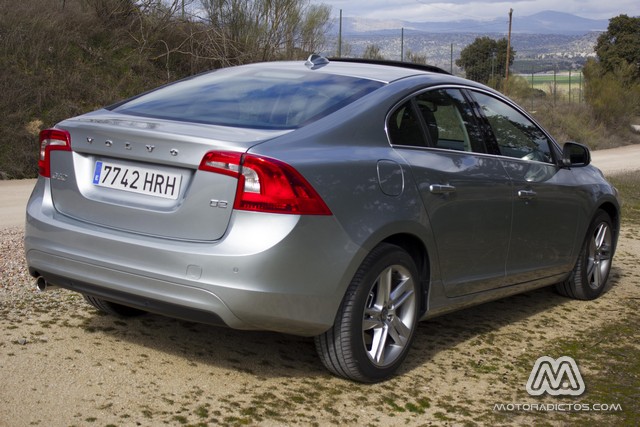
[338, 199]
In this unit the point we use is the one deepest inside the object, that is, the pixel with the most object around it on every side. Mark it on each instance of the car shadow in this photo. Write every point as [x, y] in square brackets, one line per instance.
[274, 355]
[450, 330]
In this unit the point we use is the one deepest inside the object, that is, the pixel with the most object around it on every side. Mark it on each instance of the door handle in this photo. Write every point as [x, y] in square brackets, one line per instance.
[442, 188]
[527, 194]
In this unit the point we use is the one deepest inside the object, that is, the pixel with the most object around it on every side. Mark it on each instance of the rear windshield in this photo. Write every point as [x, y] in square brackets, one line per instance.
[251, 98]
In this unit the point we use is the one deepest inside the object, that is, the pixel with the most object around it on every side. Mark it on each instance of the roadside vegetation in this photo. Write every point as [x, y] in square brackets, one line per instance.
[628, 184]
[572, 121]
[611, 88]
[61, 58]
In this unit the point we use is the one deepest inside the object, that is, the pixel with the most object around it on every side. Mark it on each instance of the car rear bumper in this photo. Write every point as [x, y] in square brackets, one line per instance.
[247, 280]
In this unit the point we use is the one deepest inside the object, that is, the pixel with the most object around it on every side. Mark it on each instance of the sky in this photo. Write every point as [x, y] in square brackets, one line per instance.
[457, 10]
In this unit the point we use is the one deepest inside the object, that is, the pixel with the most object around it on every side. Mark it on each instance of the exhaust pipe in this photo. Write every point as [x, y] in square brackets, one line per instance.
[42, 284]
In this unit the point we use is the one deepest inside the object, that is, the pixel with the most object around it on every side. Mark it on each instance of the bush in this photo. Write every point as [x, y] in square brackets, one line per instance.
[575, 121]
[614, 95]
[59, 62]
[61, 58]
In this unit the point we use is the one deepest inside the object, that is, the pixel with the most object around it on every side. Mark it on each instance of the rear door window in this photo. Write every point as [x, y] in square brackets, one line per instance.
[405, 128]
[450, 121]
[440, 118]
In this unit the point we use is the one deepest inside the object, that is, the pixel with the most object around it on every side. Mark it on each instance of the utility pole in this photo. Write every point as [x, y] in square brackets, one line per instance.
[340, 36]
[569, 85]
[451, 60]
[493, 69]
[506, 78]
[402, 45]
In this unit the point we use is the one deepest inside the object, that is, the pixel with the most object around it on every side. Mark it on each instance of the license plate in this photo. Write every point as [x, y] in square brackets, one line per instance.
[137, 179]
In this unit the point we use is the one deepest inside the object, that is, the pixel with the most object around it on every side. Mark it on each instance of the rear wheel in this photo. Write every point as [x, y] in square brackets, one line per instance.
[112, 308]
[589, 277]
[377, 319]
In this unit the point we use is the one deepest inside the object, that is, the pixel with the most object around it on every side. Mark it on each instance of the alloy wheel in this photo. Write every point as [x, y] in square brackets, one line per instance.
[389, 315]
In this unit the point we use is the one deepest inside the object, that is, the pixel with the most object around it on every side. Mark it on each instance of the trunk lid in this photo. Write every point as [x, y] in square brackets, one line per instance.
[141, 175]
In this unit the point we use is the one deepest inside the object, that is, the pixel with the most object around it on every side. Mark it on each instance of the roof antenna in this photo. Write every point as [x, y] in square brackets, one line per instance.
[316, 61]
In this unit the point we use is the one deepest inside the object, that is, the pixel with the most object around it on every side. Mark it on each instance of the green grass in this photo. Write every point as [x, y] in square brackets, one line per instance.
[613, 365]
[559, 78]
[544, 80]
[628, 184]
[564, 84]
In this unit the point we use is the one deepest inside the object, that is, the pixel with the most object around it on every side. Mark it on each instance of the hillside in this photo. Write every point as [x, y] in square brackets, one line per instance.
[547, 22]
[58, 62]
[64, 58]
[543, 42]
[538, 52]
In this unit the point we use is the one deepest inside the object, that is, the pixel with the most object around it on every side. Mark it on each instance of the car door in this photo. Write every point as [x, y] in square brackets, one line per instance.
[545, 201]
[467, 193]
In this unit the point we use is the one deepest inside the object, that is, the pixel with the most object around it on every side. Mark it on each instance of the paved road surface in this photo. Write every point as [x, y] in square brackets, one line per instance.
[14, 194]
[13, 200]
[616, 160]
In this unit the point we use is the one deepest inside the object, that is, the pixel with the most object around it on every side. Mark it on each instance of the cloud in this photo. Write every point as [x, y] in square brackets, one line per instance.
[456, 10]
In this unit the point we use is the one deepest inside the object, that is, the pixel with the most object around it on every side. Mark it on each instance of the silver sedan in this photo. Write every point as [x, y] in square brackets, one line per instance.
[337, 199]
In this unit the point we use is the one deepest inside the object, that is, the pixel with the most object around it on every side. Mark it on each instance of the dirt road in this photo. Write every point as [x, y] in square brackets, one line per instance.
[63, 364]
[13, 200]
[617, 160]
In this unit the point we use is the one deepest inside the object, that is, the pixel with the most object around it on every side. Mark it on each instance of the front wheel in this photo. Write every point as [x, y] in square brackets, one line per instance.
[377, 319]
[589, 276]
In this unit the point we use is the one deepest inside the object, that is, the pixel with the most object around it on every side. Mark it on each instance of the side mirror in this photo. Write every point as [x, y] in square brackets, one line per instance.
[576, 155]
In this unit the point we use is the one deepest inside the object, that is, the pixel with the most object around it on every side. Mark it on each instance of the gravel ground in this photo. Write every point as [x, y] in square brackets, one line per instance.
[62, 363]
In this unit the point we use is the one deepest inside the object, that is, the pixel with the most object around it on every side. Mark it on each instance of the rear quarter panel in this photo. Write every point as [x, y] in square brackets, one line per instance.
[339, 156]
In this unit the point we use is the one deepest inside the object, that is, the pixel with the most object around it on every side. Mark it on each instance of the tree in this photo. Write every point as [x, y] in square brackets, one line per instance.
[345, 51]
[372, 51]
[415, 58]
[263, 30]
[113, 10]
[613, 95]
[485, 59]
[612, 84]
[620, 44]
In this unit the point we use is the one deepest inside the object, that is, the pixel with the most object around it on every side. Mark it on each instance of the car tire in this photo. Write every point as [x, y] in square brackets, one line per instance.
[112, 308]
[377, 319]
[589, 277]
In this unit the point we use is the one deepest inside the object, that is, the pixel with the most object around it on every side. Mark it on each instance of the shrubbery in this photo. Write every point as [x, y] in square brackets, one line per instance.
[615, 95]
[61, 58]
[58, 63]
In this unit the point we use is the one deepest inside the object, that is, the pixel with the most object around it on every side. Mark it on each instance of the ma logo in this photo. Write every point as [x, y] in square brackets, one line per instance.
[558, 377]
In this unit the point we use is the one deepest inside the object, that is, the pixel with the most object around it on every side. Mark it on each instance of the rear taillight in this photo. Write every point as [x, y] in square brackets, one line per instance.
[51, 140]
[266, 184]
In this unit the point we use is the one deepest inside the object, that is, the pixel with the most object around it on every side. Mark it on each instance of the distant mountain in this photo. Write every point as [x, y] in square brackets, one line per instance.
[550, 22]
[547, 22]
[538, 52]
